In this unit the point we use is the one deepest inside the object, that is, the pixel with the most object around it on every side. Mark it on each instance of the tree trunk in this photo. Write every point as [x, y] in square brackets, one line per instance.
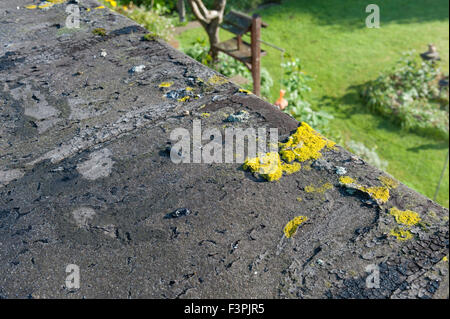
[210, 20]
[213, 34]
[181, 10]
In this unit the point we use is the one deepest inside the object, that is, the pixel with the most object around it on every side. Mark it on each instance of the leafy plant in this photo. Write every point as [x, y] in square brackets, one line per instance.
[369, 155]
[409, 95]
[296, 84]
[153, 21]
[198, 50]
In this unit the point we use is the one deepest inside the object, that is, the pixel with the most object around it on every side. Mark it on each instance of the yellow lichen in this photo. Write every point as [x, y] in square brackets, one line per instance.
[113, 3]
[217, 80]
[45, 5]
[346, 180]
[267, 165]
[99, 7]
[270, 166]
[291, 228]
[388, 182]
[291, 168]
[184, 99]
[245, 91]
[379, 193]
[307, 167]
[401, 234]
[299, 199]
[305, 144]
[445, 258]
[407, 217]
[206, 115]
[166, 84]
[322, 189]
[189, 89]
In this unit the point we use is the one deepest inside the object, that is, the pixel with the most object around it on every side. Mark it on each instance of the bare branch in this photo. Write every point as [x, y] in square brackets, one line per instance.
[203, 14]
[197, 13]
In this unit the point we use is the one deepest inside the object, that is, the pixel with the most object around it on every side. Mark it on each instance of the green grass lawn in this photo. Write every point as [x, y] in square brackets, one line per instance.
[337, 49]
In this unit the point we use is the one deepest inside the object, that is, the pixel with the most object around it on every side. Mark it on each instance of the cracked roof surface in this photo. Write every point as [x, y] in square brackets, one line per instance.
[86, 179]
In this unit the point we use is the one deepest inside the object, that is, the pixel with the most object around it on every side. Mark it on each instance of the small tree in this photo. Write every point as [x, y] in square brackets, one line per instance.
[210, 20]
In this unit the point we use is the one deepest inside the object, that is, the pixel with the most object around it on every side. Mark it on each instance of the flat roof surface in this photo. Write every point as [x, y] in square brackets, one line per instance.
[86, 179]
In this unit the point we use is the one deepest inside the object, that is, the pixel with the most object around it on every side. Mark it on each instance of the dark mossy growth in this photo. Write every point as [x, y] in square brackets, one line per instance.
[99, 31]
[150, 37]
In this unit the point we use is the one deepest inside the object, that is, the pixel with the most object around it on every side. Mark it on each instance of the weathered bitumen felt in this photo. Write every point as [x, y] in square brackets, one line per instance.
[86, 178]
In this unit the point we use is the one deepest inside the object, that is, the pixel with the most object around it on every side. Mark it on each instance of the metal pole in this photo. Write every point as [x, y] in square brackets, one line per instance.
[256, 54]
[440, 179]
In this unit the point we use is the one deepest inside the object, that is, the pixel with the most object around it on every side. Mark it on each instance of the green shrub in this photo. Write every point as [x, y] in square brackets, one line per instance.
[296, 85]
[409, 96]
[166, 5]
[153, 21]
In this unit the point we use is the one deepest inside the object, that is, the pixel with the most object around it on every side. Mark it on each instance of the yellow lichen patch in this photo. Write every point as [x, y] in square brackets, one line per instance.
[113, 3]
[407, 217]
[267, 165]
[189, 89]
[184, 99]
[291, 168]
[245, 91]
[445, 258]
[166, 84]
[388, 182]
[206, 115]
[217, 80]
[401, 234]
[380, 193]
[346, 180]
[291, 228]
[305, 144]
[322, 189]
[307, 167]
[45, 5]
[99, 7]
[299, 199]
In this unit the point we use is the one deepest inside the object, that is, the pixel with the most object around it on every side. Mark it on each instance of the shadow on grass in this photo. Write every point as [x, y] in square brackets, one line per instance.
[352, 14]
[429, 146]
